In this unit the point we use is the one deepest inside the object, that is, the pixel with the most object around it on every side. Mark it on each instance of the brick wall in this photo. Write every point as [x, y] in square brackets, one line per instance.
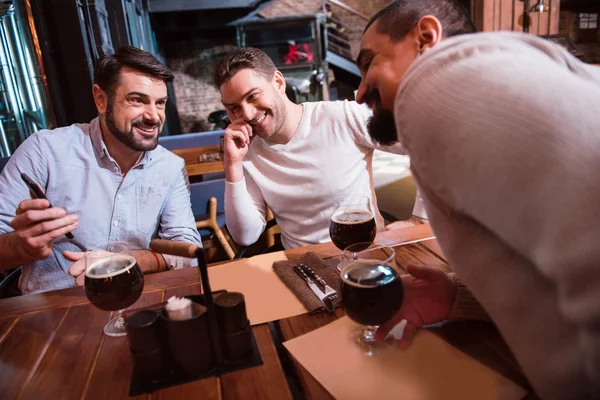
[193, 66]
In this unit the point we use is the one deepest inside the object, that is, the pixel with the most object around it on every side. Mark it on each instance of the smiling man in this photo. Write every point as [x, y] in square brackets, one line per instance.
[110, 179]
[294, 158]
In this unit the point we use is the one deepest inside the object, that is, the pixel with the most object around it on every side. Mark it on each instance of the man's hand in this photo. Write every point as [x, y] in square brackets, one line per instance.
[236, 142]
[37, 226]
[77, 269]
[428, 297]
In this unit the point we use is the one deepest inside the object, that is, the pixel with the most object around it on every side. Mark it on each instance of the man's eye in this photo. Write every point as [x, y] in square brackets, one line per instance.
[136, 100]
[161, 102]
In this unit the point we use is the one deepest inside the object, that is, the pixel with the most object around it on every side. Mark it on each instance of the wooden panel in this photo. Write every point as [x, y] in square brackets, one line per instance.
[506, 14]
[65, 368]
[433, 246]
[6, 325]
[488, 15]
[477, 13]
[518, 16]
[497, 15]
[258, 382]
[41, 301]
[413, 254]
[535, 23]
[23, 347]
[113, 363]
[205, 389]
[554, 16]
[386, 238]
[187, 290]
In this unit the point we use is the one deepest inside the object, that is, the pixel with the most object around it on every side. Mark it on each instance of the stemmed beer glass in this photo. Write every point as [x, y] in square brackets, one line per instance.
[371, 290]
[113, 282]
[352, 222]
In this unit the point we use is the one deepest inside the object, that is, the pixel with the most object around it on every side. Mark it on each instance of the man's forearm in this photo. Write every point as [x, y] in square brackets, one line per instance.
[150, 261]
[13, 254]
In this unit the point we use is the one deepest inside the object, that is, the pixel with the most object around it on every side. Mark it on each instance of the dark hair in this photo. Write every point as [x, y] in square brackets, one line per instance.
[108, 67]
[243, 58]
[399, 17]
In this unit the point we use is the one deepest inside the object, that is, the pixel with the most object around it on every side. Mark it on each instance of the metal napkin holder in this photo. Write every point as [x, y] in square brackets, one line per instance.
[220, 364]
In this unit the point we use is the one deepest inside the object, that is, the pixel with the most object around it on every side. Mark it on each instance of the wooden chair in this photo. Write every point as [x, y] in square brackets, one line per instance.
[208, 206]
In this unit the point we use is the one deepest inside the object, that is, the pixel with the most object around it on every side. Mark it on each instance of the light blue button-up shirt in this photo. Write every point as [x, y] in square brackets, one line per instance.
[78, 174]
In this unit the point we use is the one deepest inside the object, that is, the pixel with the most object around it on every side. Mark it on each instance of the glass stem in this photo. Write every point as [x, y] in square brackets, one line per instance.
[120, 321]
[369, 333]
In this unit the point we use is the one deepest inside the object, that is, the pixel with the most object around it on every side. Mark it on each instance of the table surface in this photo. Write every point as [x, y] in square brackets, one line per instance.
[194, 166]
[52, 344]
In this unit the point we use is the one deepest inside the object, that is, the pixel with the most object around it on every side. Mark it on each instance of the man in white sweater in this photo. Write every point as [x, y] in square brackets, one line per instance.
[504, 141]
[304, 157]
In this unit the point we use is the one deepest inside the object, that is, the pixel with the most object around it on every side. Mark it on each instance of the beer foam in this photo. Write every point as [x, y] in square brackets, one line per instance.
[110, 266]
[352, 216]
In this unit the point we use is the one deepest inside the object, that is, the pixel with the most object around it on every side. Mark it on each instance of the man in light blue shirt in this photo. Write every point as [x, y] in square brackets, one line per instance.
[107, 180]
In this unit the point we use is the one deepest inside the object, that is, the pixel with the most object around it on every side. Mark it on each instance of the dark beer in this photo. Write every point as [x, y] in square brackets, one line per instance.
[352, 226]
[114, 283]
[371, 293]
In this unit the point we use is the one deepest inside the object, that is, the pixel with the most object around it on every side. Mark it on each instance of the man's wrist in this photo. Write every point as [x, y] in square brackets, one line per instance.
[234, 173]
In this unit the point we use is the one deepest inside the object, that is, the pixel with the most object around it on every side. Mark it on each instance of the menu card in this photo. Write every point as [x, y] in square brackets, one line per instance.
[267, 298]
[429, 369]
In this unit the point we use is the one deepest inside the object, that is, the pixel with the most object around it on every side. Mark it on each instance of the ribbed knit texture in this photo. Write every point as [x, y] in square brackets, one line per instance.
[466, 306]
[503, 131]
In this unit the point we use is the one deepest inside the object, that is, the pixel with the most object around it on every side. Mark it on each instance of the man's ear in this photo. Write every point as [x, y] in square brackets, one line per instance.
[100, 98]
[428, 32]
[279, 81]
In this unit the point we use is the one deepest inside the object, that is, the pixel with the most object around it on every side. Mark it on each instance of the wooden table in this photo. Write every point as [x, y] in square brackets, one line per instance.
[193, 164]
[52, 345]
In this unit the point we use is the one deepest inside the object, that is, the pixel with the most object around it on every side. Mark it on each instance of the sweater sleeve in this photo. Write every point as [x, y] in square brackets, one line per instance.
[466, 306]
[245, 211]
[513, 136]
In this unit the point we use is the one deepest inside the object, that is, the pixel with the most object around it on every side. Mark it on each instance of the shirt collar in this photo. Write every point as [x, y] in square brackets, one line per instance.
[100, 146]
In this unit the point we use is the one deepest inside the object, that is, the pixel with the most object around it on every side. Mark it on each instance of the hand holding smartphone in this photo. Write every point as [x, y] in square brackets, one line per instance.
[38, 194]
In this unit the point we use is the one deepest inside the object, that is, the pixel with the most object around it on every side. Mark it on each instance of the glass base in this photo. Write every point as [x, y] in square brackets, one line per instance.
[116, 326]
[364, 337]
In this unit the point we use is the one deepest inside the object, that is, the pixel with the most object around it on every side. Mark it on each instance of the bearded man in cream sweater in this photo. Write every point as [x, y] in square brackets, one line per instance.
[504, 137]
[305, 156]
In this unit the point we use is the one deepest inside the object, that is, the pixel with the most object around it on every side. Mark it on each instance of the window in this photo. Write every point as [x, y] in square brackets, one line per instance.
[588, 21]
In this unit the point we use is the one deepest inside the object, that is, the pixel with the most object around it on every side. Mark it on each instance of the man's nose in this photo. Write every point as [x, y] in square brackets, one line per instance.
[151, 114]
[248, 112]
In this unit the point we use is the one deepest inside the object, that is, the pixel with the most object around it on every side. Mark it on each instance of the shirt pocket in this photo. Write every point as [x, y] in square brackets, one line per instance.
[150, 201]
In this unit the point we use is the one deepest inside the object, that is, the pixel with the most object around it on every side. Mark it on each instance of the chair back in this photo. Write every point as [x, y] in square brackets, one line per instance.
[187, 140]
[201, 192]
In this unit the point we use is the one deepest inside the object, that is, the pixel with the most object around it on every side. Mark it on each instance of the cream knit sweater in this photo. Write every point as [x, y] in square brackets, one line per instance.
[503, 131]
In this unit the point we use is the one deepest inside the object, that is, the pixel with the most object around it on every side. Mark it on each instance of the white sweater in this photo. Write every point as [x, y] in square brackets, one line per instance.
[503, 131]
[329, 156]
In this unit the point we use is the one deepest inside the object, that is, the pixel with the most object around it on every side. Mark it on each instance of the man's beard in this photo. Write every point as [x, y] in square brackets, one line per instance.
[381, 126]
[128, 138]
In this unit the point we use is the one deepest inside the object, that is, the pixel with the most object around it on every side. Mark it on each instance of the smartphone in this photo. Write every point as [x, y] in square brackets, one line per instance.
[38, 194]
